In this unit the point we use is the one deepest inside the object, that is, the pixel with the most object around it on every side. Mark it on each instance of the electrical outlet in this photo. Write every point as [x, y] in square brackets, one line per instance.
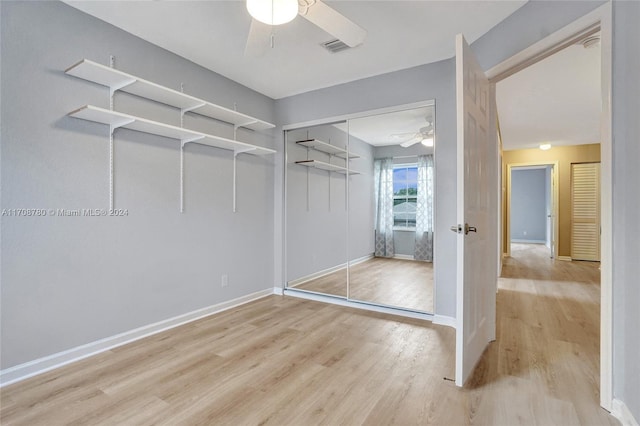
[224, 281]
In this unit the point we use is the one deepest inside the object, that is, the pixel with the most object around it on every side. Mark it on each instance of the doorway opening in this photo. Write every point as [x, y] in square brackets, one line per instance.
[531, 207]
[597, 21]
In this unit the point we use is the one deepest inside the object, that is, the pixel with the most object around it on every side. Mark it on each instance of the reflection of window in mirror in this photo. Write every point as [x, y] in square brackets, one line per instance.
[405, 193]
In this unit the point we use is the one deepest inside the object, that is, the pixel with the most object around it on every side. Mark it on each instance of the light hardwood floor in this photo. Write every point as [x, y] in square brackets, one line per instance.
[287, 361]
[394, 282]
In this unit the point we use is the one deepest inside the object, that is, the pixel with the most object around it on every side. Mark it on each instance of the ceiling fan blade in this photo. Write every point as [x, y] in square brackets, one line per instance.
[407, 135]
[334, 23]
[410, 142]
[258, 39]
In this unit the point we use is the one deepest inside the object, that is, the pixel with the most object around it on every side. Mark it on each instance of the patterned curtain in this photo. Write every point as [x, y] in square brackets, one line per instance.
[383, 171]
[424, 209]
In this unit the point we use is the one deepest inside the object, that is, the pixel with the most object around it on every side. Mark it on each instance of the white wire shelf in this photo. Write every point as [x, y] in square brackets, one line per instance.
[118, 119]
[119, 80]
[327, 148]
[326, 166]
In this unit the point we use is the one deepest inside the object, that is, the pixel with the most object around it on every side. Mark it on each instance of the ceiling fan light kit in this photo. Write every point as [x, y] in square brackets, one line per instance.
[273, 12]
[427, 141]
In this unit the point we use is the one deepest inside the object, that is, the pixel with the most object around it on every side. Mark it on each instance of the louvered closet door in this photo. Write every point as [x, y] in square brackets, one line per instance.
[585, 211]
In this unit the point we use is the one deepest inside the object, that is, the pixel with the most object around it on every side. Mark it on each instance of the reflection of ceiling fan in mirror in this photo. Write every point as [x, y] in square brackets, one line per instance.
[424, 135]
[267, 13]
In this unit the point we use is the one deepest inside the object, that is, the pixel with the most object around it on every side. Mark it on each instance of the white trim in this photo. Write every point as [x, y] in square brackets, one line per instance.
[404, 229]
[50, 362]
[564, 258]
[345, 117]
[598, 18]
[278, 291]
[549, 45]
[516, 240]
[444, 320]
[341, 301]
[621, 412]
[403, 257]
[328, 271]
[606, 209]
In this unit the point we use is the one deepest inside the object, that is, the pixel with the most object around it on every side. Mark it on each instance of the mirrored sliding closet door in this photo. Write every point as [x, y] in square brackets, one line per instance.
[392, 204]
[360, 209]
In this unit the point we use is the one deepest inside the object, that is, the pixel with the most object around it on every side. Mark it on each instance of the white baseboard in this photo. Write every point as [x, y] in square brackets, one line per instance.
[327, 271]
[279, 291]
[564, 258]
[362, 259]
[403, 257]
[444, 320]
[318, 297]
[515, 240]
[621, 412]
[50, 362]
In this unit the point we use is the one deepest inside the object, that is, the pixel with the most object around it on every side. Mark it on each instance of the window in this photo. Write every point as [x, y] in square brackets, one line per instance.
[405, 195]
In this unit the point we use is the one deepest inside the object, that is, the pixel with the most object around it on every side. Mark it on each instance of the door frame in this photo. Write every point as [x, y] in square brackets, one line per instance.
[554, 208]
[600, 19]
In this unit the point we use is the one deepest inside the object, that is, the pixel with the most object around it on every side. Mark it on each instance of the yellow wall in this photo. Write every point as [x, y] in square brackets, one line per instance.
[564, 156]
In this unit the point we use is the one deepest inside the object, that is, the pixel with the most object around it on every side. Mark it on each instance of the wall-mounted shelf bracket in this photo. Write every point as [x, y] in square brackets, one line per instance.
[246, 124]
[235, 177]
[235, 171]
[112, 127]
[183, 142]
[191, 108]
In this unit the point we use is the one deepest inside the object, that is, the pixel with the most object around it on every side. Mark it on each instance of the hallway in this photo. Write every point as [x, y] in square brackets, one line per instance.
[545, 362]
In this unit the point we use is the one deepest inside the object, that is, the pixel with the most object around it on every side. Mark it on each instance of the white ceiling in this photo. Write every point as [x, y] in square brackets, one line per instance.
[390, 128]
[556, 100]
[213, 34]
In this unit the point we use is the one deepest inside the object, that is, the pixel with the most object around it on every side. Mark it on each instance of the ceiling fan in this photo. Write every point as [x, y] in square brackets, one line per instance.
[268, 13]
[424, 135]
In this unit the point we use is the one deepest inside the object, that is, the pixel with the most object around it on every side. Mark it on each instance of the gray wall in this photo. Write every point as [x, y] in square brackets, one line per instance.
[361, 201]
[67, 281]
[528, 205]
[404, 242]
[626, 204]
[428, 82]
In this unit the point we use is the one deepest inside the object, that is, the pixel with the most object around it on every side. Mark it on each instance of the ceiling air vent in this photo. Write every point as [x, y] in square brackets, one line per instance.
[335, 46]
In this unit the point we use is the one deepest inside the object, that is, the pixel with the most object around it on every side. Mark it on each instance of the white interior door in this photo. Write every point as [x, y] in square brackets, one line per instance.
[477, 168]
[550, 208]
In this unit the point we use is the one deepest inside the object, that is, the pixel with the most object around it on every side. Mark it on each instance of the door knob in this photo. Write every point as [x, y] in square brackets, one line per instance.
[468, 229]
[457, 229]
